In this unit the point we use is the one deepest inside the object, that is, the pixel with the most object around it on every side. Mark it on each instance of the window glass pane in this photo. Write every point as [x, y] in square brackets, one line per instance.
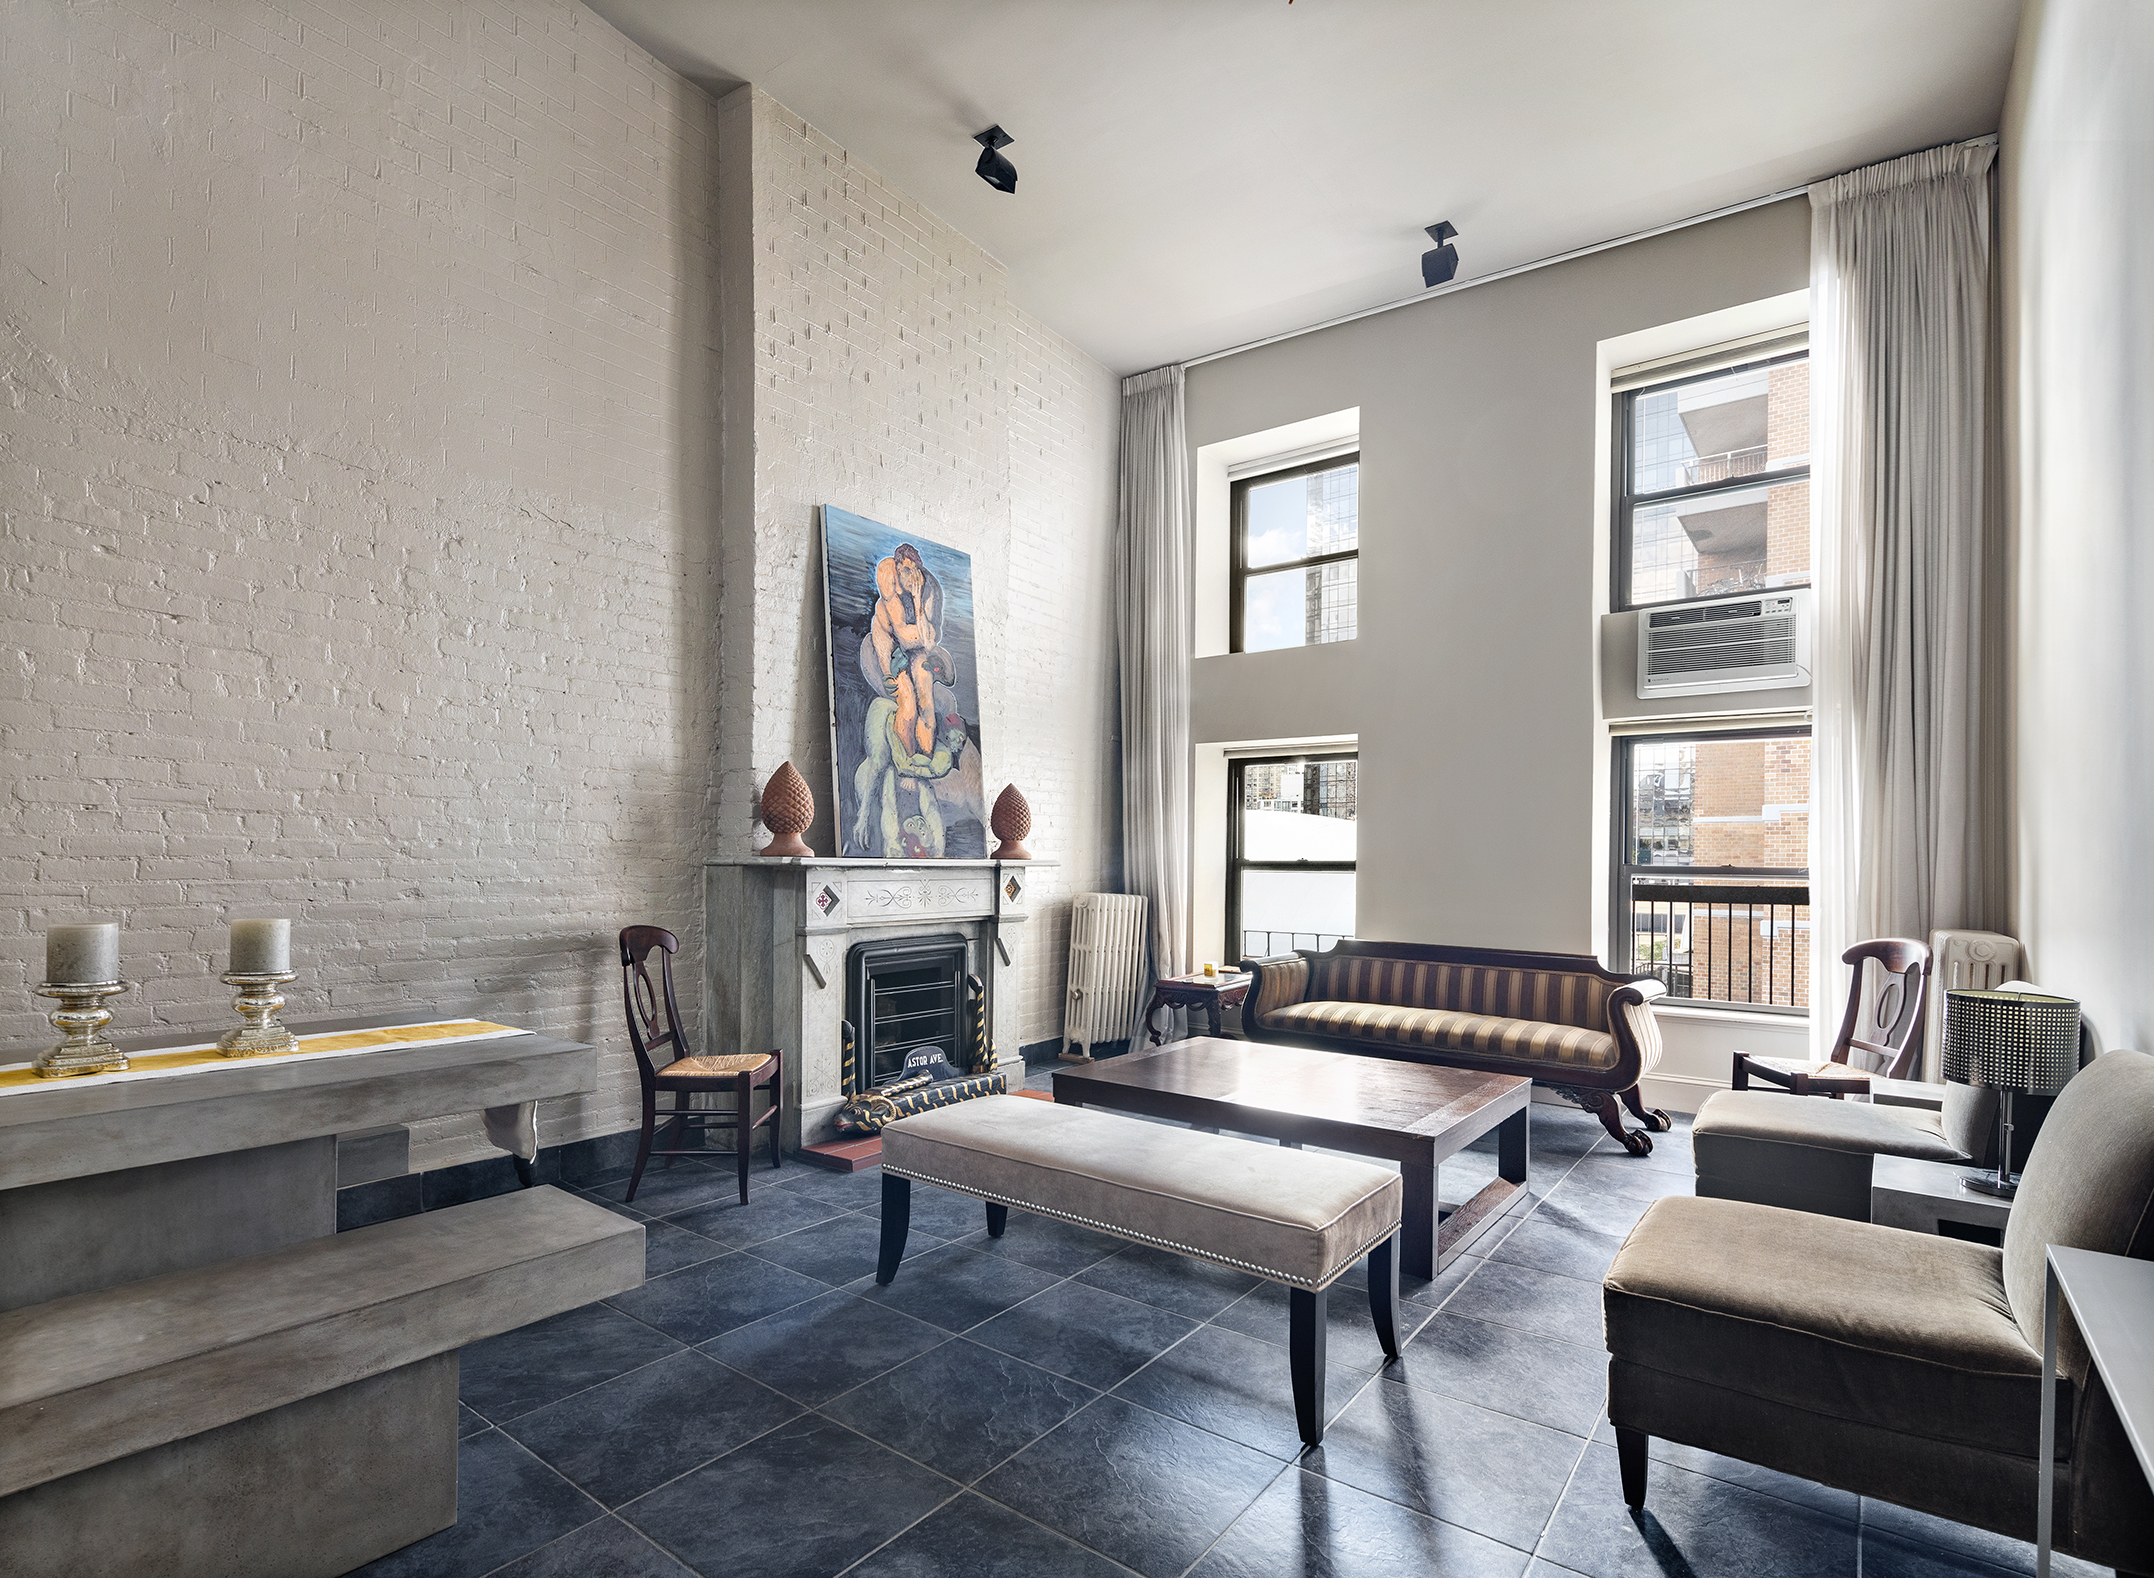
[1298, 608]
[1721, 803]
[1712, 544]
[1298, 810]
[1301, 517]
[1283, 910]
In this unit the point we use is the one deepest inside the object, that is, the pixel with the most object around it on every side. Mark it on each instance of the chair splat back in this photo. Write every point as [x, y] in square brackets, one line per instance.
[1903, 972]
[654, 1018]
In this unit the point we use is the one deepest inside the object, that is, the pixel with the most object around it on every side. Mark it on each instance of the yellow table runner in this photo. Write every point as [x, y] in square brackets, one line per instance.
[335, 1043]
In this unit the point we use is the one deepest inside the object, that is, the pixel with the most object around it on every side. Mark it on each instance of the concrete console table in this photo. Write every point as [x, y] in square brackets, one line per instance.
[198, 1373]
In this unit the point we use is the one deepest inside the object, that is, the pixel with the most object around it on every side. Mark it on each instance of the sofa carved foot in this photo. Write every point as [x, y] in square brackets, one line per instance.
[1630, 1459]
[1653, 1118]
[1604, 1106]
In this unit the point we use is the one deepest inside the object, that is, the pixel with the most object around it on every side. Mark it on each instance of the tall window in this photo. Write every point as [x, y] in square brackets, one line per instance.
[1712, 890]
[1290, 853]
[1297, 540]
[1714, 492]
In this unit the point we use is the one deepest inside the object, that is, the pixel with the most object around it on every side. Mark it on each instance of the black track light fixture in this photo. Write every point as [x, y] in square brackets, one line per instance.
[1440, 263]
[995, 170]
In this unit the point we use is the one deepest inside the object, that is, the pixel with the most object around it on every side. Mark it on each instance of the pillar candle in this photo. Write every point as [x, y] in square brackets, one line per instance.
[83, 955]
[261, 947]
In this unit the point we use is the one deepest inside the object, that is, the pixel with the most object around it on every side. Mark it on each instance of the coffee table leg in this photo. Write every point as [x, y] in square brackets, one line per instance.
[1417, 1224]
[1511, 1145]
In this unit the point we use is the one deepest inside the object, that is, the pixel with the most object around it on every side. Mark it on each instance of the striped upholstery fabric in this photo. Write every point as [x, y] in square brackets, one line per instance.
[1645, 1031]
[1552, 997]
[1439, 1029]
[1279, 983]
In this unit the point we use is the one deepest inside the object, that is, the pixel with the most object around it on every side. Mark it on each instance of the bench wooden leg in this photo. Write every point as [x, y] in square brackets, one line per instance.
[1305, 1357]
[1384, 1293]
[897, 1221]
[1630, 1462]
[998, 1218]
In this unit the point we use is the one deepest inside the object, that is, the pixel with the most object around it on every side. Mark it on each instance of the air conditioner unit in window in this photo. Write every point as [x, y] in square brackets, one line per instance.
[1759, 641]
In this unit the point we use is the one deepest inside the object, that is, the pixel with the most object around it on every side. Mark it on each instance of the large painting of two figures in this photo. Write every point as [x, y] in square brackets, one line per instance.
[904, 693]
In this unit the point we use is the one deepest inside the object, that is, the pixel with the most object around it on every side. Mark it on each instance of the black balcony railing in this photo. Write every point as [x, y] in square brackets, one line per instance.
[1267, 944]
[1724, 942]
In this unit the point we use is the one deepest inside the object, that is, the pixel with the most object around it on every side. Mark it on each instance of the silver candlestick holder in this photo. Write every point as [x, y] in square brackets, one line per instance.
[257, 1003]
[82, 1014]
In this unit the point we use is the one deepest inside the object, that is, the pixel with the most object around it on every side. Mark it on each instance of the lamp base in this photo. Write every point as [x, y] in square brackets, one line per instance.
[1990, 1184]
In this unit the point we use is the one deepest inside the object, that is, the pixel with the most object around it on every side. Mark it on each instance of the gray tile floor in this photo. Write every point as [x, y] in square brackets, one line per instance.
[1057, 1403]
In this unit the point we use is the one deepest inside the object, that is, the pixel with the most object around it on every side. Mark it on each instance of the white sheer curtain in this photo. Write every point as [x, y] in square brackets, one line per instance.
[1908, 752]
[1152, 606]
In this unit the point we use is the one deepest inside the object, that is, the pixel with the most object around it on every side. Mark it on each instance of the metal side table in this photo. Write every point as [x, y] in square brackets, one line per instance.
[2112, 1299]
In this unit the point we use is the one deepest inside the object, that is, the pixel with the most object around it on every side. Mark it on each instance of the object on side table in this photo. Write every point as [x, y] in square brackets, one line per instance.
[1890, 1364]
[1896, 1011]
[1211, 992]
[1012, 823]
[2015, 1043]
[788, 807]
[1107, 952]
[654, 1030]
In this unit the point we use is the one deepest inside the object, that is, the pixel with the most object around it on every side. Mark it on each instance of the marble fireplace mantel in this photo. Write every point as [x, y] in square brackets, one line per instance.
[776, 935]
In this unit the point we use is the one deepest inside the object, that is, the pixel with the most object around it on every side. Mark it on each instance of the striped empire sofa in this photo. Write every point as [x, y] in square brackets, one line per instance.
[1558, 1018]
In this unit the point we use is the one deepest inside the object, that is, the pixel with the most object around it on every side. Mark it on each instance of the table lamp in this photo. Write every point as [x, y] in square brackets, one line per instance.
[2015, 1043]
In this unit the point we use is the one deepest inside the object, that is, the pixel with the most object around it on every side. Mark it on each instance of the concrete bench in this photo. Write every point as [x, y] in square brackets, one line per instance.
[1285, 1215]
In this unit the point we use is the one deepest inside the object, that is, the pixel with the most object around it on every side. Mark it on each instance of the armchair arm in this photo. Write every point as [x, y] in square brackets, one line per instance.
[1281, 981]
[1631, 1022]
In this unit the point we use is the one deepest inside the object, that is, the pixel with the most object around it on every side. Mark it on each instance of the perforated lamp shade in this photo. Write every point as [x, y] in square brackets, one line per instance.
[2022, 1041]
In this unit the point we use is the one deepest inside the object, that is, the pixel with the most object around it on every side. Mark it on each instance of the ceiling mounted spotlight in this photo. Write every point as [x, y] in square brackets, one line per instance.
[1438, 265]
[995, 170]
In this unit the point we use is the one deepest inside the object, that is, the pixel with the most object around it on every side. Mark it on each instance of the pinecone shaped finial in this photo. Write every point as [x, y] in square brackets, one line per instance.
[1012, 822]
[788, 808]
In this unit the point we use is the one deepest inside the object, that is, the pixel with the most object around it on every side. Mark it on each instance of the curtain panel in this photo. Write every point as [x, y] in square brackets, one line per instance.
[1908, 826]
[1154, 626]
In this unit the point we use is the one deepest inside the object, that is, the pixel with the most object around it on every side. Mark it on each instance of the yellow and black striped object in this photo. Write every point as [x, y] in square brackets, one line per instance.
[868, 1112]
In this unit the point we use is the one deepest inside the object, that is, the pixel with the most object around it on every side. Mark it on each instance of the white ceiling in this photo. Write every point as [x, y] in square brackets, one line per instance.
[1194, 174]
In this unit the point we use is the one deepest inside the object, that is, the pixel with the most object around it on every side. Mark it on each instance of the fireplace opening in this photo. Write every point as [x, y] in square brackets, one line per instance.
[904, 996]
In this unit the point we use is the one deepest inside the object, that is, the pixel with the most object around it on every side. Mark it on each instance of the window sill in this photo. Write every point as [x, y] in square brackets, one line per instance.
[1731, 1014]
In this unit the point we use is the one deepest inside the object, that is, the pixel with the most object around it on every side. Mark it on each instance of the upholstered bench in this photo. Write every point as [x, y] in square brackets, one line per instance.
[1289, 1216]
[1805, 1153]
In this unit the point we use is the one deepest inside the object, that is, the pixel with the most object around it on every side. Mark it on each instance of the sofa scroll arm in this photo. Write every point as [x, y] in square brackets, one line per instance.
[1637, 1037]
[1281, 980]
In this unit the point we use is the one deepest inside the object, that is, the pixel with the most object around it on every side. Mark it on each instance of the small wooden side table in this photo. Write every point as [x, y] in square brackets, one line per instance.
[1212, 993]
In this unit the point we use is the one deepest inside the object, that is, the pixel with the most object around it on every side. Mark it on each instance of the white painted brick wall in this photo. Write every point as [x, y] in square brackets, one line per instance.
[891, 375]
[357, 477]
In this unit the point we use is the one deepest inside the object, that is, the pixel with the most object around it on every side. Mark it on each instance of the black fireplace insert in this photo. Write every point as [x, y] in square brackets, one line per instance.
[903, 997]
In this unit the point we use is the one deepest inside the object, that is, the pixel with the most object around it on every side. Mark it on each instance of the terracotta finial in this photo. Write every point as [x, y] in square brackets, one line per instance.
[788, 808]
[1012, 821]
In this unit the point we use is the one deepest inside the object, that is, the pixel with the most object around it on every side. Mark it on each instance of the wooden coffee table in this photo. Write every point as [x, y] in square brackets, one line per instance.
[1415, 1114]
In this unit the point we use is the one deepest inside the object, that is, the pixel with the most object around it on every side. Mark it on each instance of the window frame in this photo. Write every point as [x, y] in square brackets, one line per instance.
[1242, 570]
[1627, 502]
[1237, 864]
[1622, 948]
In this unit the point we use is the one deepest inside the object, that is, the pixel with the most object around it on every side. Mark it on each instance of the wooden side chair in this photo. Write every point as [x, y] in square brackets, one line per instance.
[1903, 976]
[664, 1063]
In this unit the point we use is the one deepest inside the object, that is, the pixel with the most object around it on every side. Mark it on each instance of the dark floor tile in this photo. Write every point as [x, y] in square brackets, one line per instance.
[507, 1504]
[703, 1301]
[1577, 1205]
[955, 1288]
[1349, 1330]
[1059, 1248]
[1194, 1288]
[1619, 1175]
[544, 1362]
[1307, 1526]
[1488, 1472]
[1175, 1488]
[1235, 1386]
[468, 1423]
[1690, 1524]
[639, 1430]
[945, 1212]
[859, 1191]
[977, 1538]
[1751, 1476]
[662, 1193]
[1890, 1531]
[770, 1213]
[635, 1213]
[1087, 1334]
[803, 1501]
[1552, 1383]
[840, 1250]
[1565, 1248]
[960, 1409]
[828, 1345]
[607, 1548]
[669, 1248]
[1434, 1294]
[1538, 1301]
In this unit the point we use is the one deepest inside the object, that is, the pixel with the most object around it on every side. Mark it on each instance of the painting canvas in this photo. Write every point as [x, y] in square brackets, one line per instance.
[904, 693]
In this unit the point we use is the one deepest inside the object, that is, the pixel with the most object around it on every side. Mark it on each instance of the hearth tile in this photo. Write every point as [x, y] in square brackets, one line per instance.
[505, 1376]
[607, 1548]
[669, 1248]
[960, 1409]
[635, 1432]
[508, 1503]
[1176, 1488]
[1552, 1383]
[1565, 1308]
[1471, 1466]
[1059, 1248]
[1568, 1249]
[979, 1538]
[1085, 1333]
[828, 1345]
[699, 1303]
[1307, 1526]
[1349, 1335]
[1234, 1386]
[955, 1288]
[805, 1500]
[1690, 1524]
[1194, 1288]
[769, 1213]
[840, 1250]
